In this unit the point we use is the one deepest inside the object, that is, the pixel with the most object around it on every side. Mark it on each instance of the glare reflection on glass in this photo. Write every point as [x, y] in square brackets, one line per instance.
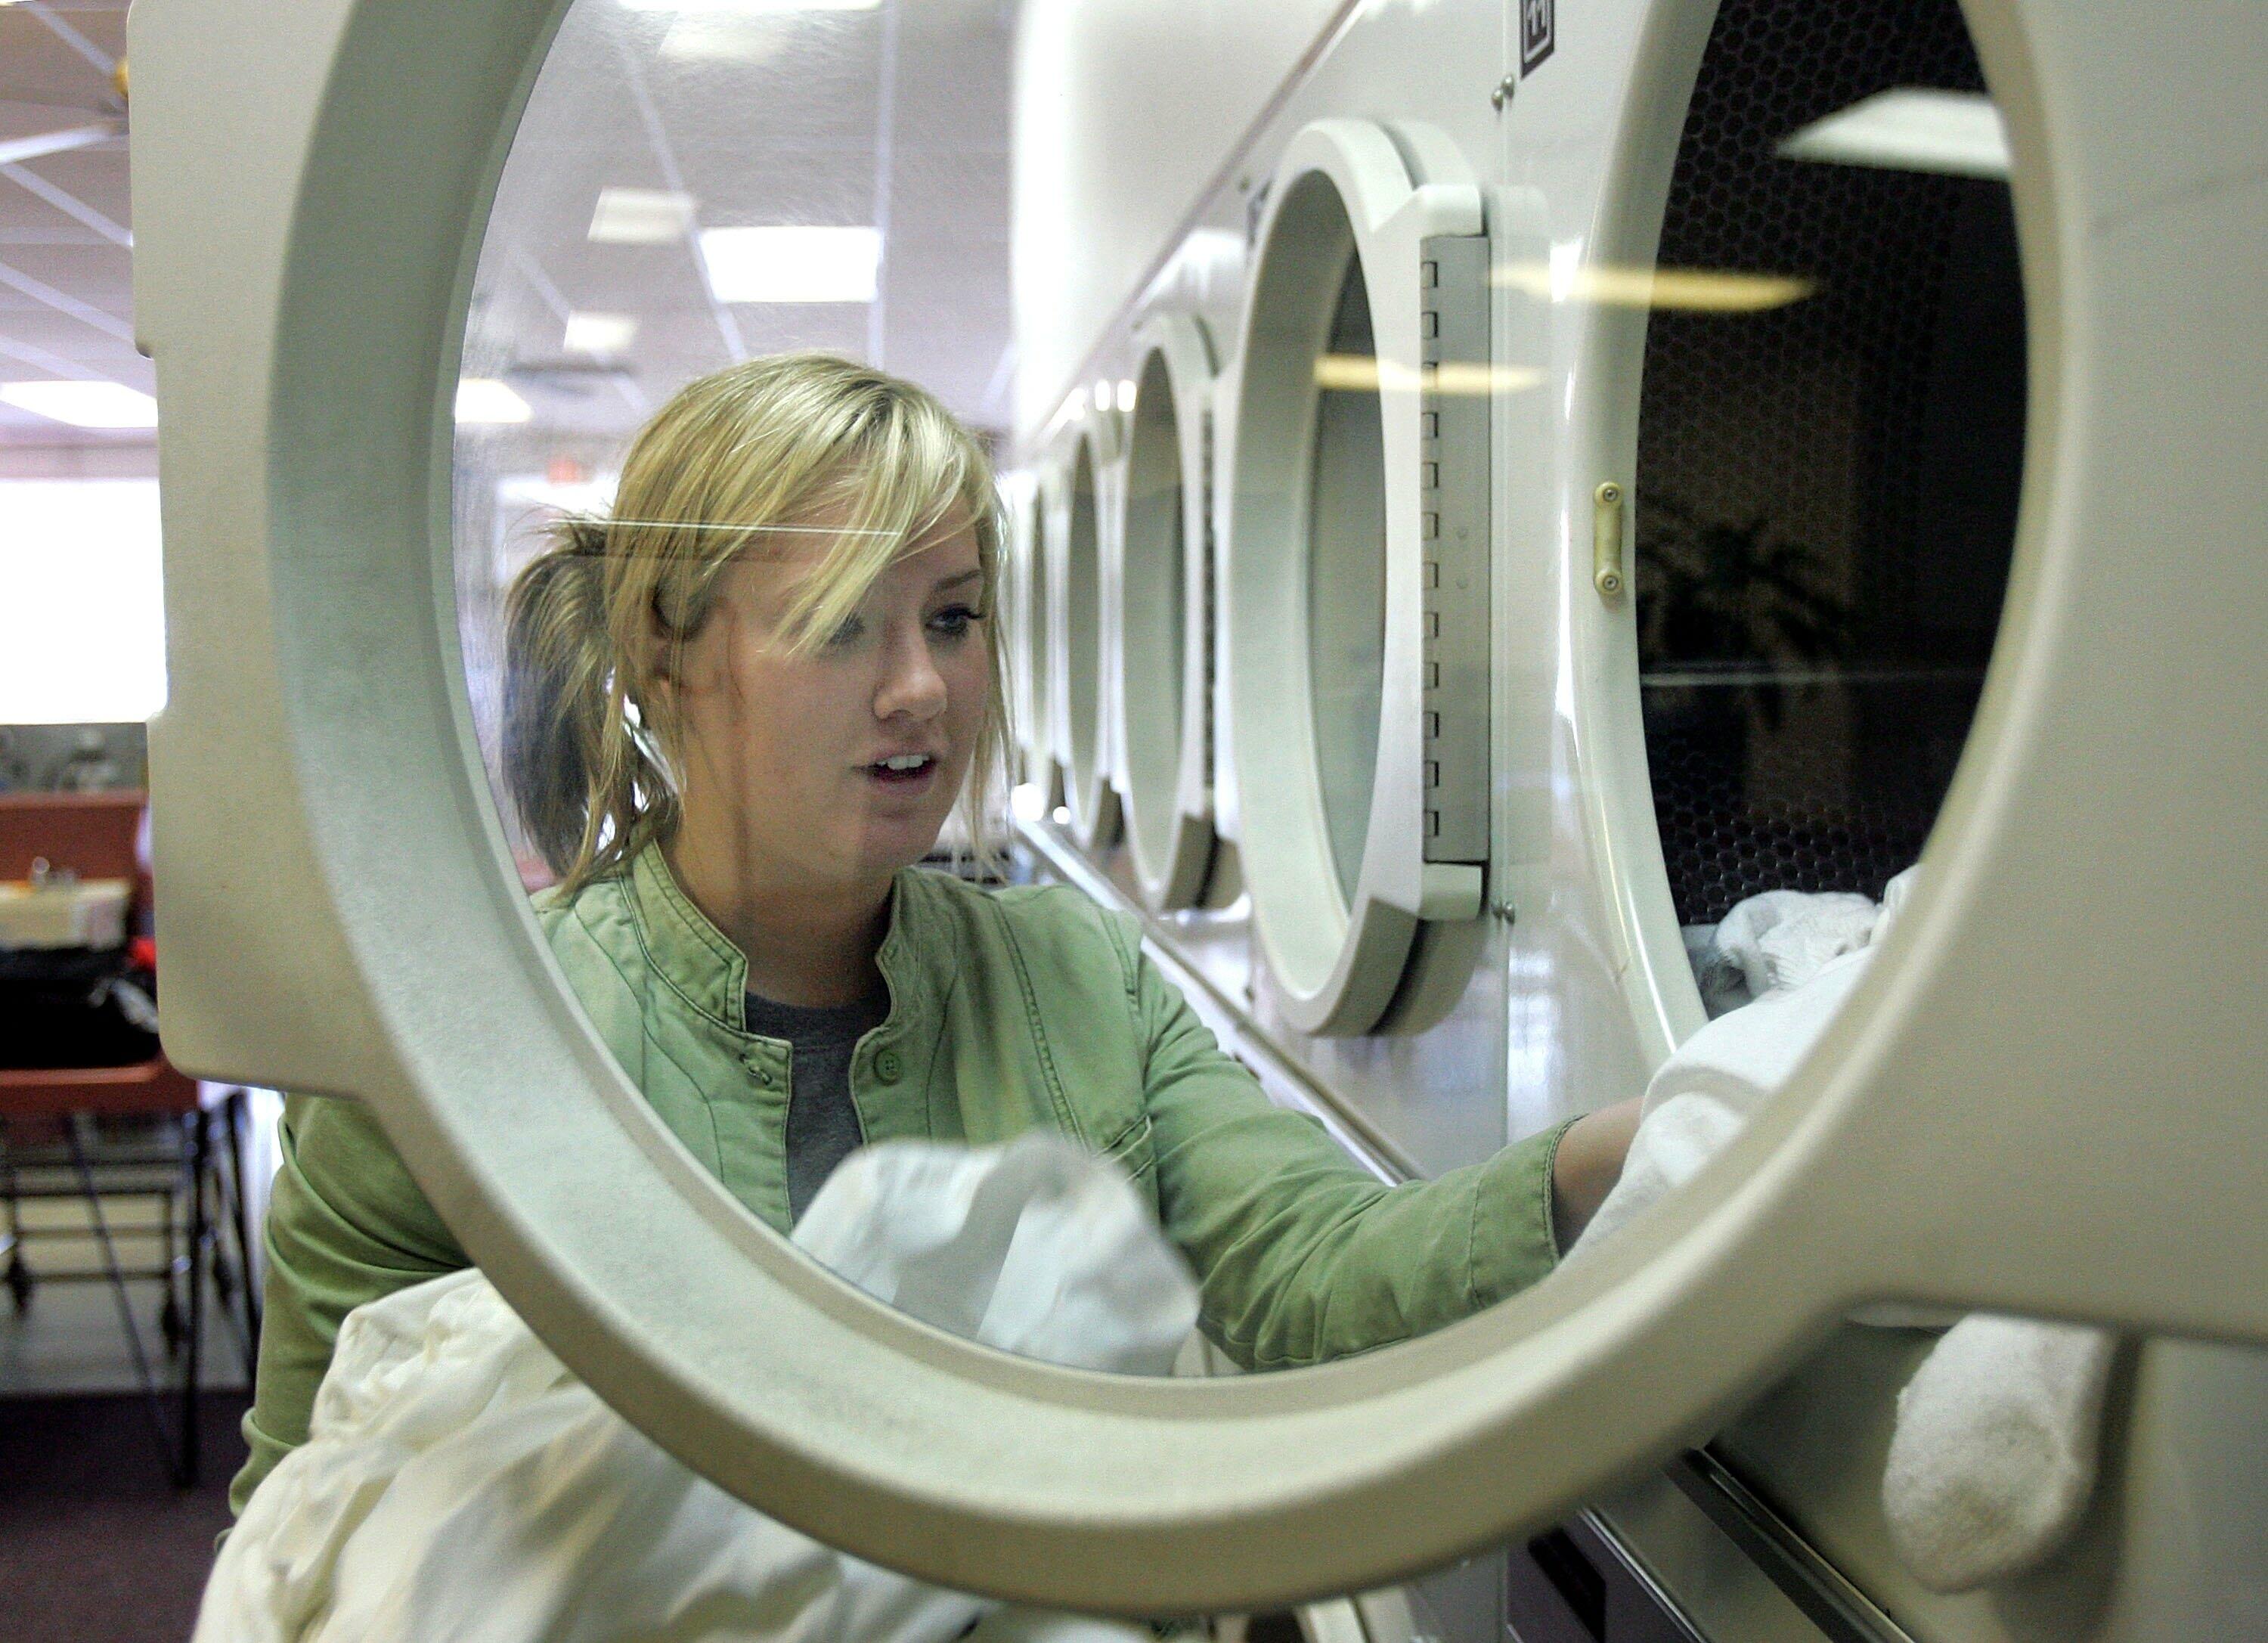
[1702, 291]
[1954, 134]
[1360, 374]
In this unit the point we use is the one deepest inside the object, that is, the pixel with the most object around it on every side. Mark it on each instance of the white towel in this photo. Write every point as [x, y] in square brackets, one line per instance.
[1783, 938]
[1701, 1097]
[1994, 1453]
[459, 1483]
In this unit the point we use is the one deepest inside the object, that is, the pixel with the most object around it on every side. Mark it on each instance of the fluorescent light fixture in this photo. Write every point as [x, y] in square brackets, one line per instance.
[600, 333]
[1700, 291]
[84, 404]
[82, 627]
[746, 8]
[1360, 374]
[641, 217]
[792, 264]
[1126, 394]
[1958, 134]
[1103, 395]
[483, 399]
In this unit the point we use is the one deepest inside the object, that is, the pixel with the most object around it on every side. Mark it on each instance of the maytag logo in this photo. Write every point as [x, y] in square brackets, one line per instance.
[1536, 33]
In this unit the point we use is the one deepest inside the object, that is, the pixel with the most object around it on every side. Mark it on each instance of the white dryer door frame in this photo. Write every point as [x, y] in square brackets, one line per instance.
[1169, 831]
[1091, 442]
[1020, 586]
[1338, 958]
[1989, 1124]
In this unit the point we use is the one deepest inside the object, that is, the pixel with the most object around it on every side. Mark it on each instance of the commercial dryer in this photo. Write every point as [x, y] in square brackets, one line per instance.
[310, 193]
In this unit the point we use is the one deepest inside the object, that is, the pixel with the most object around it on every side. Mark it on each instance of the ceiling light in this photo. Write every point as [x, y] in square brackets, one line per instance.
[641, 217]
[84, 404]
[1959, 134]
[484, 399]
[784, 264]
[600, 333]
[1702, 291]
[1126, 395]
[748, 7]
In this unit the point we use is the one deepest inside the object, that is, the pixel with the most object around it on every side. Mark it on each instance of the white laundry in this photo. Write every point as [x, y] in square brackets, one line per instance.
[1993, 1457]
[1701, 1097]
[1783, 938]
[458, 1482]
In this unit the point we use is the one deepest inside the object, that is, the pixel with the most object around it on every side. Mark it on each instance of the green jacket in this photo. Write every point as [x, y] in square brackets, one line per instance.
[1008, 1009]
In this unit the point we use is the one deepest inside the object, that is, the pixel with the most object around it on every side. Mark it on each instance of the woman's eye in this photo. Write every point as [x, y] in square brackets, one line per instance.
[955, 621]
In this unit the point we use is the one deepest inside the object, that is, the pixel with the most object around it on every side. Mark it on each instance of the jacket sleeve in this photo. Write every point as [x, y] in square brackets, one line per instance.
[345, 1225]
[1303, 1253]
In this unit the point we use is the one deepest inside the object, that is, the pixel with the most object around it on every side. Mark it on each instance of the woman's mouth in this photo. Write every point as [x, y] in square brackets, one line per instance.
[906, 772]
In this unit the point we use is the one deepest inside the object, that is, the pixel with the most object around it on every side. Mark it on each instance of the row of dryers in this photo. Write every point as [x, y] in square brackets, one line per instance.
[1516, 521]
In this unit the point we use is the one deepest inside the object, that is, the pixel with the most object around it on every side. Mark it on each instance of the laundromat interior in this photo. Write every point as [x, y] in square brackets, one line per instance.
[1358, 821]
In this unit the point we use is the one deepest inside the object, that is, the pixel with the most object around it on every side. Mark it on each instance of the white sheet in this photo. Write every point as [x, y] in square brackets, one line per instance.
[459, 1483]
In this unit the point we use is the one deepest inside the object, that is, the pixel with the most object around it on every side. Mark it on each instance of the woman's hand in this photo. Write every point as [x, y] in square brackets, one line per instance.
[1587, 1166]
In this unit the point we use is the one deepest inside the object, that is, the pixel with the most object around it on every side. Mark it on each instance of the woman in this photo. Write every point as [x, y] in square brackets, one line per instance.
[738, 713]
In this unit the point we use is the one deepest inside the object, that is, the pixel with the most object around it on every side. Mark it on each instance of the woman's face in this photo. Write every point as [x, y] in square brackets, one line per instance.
[832, 767]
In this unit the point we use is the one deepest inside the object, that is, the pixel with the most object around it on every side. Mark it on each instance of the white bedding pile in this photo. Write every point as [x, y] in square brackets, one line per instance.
[459, 1483]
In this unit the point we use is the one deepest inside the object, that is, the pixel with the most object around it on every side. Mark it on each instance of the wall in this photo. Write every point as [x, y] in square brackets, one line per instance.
[1123, 112]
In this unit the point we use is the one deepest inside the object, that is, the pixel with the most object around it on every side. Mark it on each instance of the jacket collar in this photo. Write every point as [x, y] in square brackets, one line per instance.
[694, 957]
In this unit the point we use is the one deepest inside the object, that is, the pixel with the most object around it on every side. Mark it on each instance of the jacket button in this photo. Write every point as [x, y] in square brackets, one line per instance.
[887, 1067]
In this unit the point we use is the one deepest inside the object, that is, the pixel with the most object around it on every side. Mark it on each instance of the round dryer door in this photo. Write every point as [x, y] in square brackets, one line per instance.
[1044, 613]
[1831, 431]
[1163, 700]
[1088, 572]
[1024, 599]
[1992, 1122]
[1356, 582]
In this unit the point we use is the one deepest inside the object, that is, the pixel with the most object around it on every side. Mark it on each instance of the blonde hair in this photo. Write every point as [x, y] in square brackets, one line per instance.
[589, 752]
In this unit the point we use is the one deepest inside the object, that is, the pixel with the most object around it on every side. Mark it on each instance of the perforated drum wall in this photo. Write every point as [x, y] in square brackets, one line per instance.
[1826, 479]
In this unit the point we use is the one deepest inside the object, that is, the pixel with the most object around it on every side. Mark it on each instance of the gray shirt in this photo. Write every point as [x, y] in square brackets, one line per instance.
[823, 1123]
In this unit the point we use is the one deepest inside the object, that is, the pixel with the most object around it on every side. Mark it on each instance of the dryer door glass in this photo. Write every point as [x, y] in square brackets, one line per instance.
[1346, 573]
[1830, 446]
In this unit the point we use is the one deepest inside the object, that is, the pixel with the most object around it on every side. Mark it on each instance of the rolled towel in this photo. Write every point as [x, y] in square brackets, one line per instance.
[1993, 1457]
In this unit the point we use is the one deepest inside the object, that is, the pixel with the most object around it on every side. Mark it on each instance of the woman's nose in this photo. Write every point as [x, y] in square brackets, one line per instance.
[910, 682]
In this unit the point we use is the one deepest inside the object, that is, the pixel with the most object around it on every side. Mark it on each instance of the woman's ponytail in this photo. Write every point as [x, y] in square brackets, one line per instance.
[560, 713]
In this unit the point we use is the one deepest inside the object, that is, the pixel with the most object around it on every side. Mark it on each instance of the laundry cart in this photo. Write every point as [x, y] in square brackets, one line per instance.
[1639, 468]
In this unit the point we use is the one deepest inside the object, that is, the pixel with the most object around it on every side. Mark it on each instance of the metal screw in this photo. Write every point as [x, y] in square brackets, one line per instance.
[1502, 909]
[1505, 88]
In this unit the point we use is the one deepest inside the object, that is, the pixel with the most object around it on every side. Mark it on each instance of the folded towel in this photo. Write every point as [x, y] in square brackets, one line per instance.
[1993, 1457]
[1994, 1453]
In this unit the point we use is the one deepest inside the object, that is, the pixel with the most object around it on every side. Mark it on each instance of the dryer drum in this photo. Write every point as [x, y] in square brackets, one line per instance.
[1826, 489]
